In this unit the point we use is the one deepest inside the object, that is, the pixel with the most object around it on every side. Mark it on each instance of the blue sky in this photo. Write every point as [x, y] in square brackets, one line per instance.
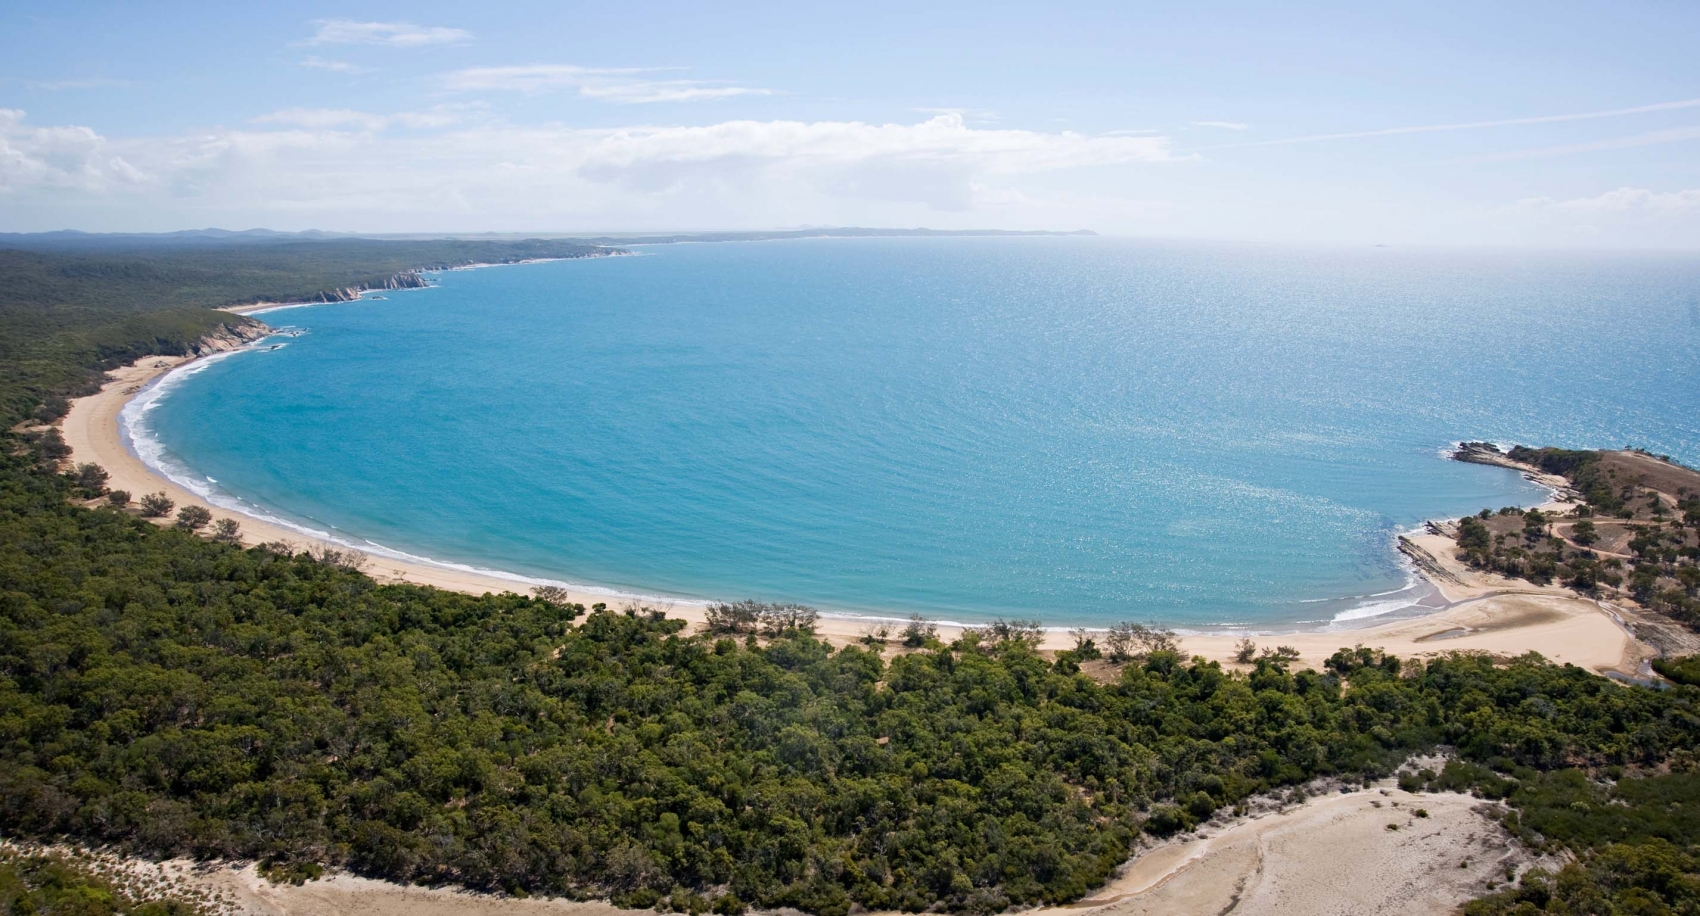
[1527, 124]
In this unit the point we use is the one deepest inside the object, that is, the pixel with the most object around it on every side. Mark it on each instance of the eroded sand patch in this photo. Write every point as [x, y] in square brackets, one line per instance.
[1332, 855]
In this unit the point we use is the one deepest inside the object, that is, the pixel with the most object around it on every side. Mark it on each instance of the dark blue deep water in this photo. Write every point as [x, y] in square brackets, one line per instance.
[1075, 429]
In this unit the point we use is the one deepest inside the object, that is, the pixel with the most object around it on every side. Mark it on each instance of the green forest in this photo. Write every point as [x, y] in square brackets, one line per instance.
[170, 694]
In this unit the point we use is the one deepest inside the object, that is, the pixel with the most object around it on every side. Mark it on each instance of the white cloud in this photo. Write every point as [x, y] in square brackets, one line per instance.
[1224, 125]
[941, 138]
[354, 169]
[1622, 201]
[980, 115]
[641, 91]
[59, 158]
[394, 34]
[619, 85]
[334, 118]
[335, 66]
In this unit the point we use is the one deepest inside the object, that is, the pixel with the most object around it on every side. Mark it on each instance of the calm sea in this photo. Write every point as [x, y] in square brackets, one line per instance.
[1075, 429]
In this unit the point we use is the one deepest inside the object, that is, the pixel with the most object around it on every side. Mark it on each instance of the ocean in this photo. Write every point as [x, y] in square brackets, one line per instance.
[1077, 430]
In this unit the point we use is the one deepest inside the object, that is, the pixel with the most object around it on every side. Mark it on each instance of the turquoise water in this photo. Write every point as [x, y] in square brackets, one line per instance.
[1080, 430]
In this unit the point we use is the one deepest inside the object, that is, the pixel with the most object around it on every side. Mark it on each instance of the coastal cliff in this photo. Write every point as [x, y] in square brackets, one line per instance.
[407, 279]
[231, 335]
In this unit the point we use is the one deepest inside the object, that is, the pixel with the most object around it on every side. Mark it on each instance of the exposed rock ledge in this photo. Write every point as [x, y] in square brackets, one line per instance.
[1489, 453]
[231, 336]
[407, 279]
[1426, 562]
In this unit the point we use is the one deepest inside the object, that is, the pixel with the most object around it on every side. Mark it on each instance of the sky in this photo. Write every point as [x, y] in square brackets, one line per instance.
[1549, 124]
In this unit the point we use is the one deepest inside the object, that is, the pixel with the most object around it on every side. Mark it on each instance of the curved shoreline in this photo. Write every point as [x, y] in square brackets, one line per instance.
[1479, 614]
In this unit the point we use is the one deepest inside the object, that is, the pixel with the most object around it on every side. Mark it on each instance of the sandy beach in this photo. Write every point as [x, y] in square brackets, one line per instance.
[1474, 612]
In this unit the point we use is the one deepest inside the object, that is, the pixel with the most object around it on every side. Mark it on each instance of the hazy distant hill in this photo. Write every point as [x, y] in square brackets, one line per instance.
[74, 239]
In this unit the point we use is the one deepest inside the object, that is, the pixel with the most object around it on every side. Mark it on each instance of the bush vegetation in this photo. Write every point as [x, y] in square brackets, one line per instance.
[193, 518]
[55, 885]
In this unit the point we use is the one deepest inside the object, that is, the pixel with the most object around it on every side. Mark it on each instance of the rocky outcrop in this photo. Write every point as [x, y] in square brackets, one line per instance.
[407, 279]
[231, 336]
[1486, 453]
[1425, 561]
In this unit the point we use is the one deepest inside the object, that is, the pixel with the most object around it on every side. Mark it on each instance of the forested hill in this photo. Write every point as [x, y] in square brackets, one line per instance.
[170, 694]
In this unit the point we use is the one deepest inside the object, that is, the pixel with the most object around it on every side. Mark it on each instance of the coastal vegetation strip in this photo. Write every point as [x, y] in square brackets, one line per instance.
[173, 694]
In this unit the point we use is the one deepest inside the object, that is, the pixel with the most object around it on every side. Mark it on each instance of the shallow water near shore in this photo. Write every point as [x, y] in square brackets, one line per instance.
[1080, 430]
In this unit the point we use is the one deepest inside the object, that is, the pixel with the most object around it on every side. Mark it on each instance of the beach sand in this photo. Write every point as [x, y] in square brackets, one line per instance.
[1483, 613]
[1333, 853]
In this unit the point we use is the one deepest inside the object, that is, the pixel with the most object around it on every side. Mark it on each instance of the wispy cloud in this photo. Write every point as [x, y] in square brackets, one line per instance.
[644, 91]
[1225, 125]
[350, 119]
[618, 85]
[335, 66]
[97, 82]
[324, 118]
[394, 34]
[1650, 138]
[982, 115]
[1622, 200]
[1472, 125]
